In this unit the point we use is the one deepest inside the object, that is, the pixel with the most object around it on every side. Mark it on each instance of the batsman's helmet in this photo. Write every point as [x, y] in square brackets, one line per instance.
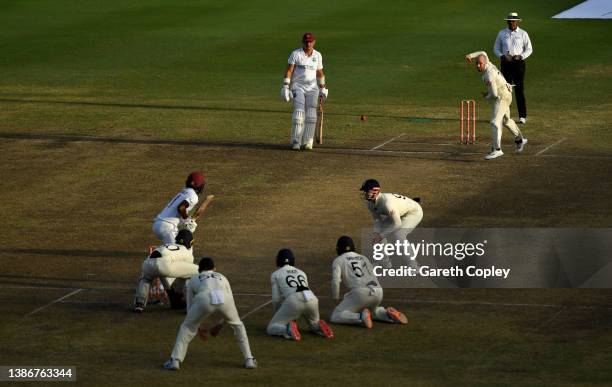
[285, 257]
[369, 184]
[205, 264]
[197, 180]
[308, 37]
[345, 244]
[185, 238]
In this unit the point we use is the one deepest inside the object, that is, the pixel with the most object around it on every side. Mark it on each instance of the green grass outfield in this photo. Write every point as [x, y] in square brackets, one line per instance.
[186, 69]
[165, 87]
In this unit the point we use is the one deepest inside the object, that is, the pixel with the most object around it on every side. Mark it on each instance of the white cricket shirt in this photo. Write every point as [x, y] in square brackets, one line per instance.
[305, 72]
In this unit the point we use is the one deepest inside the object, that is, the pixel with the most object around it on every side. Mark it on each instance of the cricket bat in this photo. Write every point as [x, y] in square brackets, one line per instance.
[199, 210]
[319, 125]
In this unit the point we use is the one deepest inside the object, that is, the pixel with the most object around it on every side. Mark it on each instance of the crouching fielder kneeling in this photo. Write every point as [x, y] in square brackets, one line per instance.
[361, 304]
[209, 296]
[292, 299]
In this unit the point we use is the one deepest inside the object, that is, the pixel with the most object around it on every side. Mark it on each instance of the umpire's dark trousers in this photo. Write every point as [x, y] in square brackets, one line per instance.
[514, 72]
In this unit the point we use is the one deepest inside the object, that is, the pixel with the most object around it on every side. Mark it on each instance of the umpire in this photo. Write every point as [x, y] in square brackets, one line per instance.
[512, 47]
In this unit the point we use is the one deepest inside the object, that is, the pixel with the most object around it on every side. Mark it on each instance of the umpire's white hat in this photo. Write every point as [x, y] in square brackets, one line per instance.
[513, 16]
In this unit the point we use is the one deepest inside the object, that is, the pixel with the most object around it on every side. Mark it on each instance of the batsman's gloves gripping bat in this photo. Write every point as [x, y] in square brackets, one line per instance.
[323, 92]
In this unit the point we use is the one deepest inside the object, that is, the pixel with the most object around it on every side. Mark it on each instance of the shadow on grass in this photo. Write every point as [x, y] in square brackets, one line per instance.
[64, 139]
[73, 253]
[212, 108]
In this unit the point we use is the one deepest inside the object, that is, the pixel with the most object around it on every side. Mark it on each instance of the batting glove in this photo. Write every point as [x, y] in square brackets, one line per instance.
[286, 93]
[188, 224]
[323, 92]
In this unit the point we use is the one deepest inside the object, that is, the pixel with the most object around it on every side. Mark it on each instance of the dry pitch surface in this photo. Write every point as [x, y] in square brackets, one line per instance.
[77, 216]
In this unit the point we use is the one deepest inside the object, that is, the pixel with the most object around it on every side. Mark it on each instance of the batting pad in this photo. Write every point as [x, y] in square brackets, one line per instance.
[297, 127]
[311, 122]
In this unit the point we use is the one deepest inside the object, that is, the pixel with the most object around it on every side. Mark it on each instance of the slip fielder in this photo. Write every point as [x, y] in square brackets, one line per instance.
[292, 299]
[209, 295]
[395, 216]
[362, 303]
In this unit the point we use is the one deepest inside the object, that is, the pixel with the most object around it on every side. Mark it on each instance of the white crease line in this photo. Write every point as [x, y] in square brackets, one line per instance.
[406, 300]
[552, 318]
[35, 287]
[441, 302]
[386, 142]
[550, 146]
[255, 310]
[53, 302]
[590, 157]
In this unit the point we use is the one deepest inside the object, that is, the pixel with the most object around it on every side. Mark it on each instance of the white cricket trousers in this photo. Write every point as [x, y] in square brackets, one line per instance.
[165, 231]
[201, 309]
[291, 309]
[304, 119]
[167, 270]
[409, 223]
[500, 118]
[349, 310]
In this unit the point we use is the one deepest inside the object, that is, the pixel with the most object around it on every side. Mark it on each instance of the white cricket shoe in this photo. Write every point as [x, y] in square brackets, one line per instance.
[522, 120]
[308, 145]
[295, 146]
[494, 154]
[521, 145]
[250, 363]
[172, 364]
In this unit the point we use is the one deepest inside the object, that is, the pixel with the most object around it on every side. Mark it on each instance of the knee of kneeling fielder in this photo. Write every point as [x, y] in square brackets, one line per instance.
[335, 316]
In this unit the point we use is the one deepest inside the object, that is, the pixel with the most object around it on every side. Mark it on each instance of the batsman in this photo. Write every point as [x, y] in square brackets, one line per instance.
[304, 83]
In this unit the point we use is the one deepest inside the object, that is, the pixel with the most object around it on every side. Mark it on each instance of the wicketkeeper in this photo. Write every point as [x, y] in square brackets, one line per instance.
[168, 262]
[395, 216]
[304, 82]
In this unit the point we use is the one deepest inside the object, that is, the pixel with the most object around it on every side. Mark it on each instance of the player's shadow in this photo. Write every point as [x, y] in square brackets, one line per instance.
[62, 139]
[143, 105]
[73, 253]
[417, 119]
